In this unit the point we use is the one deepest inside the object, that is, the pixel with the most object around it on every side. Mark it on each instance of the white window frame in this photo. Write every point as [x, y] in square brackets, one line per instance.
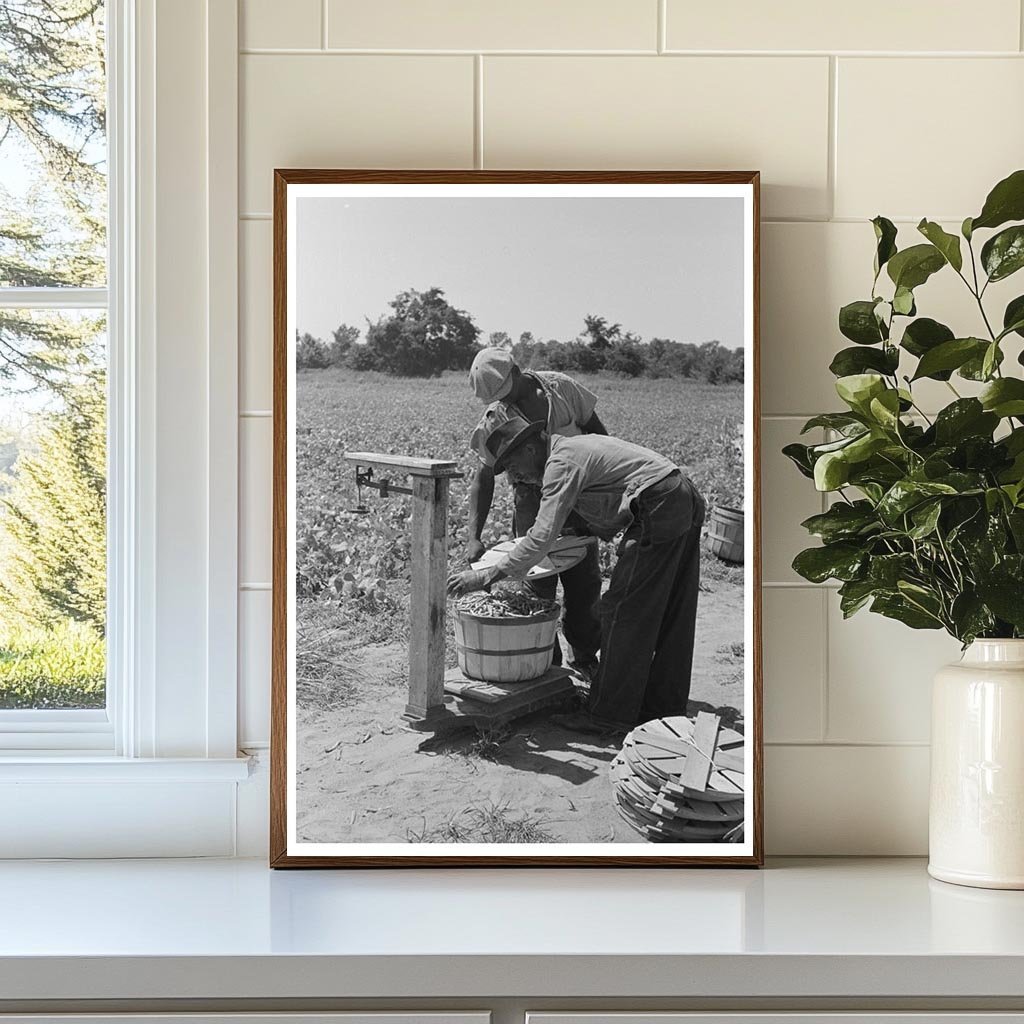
[170, 729]
[65, 730]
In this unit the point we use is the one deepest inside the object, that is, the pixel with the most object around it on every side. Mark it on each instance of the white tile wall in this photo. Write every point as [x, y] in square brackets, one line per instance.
[331, 110]
[262, 26]
[256, 291]
[472, 25]
[253, 664]
[255, 510]
[920, 122]
[701, 113]
[793, 627]
[971, 110]
[874, 25]
[879, 678]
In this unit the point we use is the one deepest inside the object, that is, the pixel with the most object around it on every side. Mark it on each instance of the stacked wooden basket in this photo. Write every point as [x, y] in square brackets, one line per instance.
[680, 780]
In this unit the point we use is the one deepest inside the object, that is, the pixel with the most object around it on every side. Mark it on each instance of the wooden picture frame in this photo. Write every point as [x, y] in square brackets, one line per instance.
[428, 488]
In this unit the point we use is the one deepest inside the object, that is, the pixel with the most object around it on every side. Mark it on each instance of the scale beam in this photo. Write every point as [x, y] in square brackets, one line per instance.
[406, 464]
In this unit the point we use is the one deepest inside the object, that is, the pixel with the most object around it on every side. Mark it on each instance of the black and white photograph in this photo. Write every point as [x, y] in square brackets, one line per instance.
[516, 571]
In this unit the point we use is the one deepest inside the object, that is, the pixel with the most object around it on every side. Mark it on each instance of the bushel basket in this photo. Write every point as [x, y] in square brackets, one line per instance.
[505, 650]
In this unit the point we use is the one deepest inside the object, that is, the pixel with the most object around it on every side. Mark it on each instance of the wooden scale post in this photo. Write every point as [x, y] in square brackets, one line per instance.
[468, 701]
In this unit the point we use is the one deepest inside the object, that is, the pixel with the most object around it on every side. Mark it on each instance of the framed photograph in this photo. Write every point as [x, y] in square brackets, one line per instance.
[516, 587]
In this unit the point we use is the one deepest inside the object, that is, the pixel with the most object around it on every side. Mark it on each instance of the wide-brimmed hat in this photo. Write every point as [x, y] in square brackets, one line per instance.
[490, 376]
[506, 437]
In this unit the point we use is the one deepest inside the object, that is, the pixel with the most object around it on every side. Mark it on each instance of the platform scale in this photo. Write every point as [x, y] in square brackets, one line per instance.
[438, 699]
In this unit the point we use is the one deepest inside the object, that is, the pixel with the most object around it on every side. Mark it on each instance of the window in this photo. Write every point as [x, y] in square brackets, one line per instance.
[53, 371]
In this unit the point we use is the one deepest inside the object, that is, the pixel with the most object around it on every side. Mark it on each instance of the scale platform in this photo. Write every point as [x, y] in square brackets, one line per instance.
[470, 702]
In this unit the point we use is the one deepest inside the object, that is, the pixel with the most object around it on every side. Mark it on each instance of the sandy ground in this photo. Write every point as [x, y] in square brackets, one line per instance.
[364, 776]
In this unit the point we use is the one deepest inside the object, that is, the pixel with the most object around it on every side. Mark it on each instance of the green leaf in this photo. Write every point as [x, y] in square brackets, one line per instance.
[886, 571]
[1004, 397]
[1003, 596]
[863, 447]
[857, 321]
[974, 368]
[966, 417]
[1014, 441]
[947, 244]
[907, 494]
[970, 617]
[964, 482]
[878, 471]
[849, 361]
[991, 360]
[854, 594]
[925, 334]
[1003, 254]
[925, 518]
[799, 455]
[1005, 202]
[831, 471]
[965, 229]
[950, 355]
[903, 302]
[912, 267]
[885, 236]
[843, 521]
[833, 420]
[840, 561]
[858, 389]
[899, 608]
[1013, 317]
[885, 409]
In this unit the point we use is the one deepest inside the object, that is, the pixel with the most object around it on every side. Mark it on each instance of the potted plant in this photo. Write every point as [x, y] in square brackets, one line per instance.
[926, 521]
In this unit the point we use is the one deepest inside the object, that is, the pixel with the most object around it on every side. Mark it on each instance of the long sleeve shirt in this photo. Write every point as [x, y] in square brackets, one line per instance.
[595, 475]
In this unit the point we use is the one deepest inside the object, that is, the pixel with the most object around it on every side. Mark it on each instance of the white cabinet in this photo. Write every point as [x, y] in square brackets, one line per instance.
[359, 1017]
[784, 1017]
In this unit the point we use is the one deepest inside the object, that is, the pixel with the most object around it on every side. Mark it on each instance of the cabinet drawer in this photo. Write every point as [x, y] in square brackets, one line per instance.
[785, 1017]
[355, 1017]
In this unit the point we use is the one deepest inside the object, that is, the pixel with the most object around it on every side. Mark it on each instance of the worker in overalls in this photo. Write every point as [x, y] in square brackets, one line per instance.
[566, 408]
[649, 611]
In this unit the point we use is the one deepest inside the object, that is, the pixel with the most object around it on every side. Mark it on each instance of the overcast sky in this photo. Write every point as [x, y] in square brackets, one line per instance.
[662, 267]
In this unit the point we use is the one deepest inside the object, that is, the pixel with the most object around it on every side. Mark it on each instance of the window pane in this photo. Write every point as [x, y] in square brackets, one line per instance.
[52, 509]
[53, 149]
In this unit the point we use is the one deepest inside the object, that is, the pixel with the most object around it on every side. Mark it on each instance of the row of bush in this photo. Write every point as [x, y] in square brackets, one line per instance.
[63, 666]
[425, 335]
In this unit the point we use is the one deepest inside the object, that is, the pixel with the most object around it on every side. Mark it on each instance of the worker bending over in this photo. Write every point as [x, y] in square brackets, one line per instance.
[649, 611]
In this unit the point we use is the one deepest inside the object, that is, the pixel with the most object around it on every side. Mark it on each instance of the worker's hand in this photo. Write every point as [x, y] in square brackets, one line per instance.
[474, 550]
[460, 583]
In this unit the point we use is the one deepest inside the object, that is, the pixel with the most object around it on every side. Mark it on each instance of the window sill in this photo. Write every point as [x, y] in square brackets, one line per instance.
[74, 766]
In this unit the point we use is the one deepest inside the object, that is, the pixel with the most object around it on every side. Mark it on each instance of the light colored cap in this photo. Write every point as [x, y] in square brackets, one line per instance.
[490, 376]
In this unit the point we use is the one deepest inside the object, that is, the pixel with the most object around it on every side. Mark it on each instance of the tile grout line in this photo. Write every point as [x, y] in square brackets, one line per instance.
[1020, 24]
[851, 744]
[662, 29]
[898, 220]
[323, 24]
[339, 51]
[478, 111]
[823, 682]
[833, 134]
[825, 649]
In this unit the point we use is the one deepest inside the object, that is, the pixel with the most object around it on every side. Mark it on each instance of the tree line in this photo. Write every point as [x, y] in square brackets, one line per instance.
[424, 335]
[53, 477]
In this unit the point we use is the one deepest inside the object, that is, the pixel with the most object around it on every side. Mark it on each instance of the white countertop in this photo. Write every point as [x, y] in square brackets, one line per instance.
[234, 929]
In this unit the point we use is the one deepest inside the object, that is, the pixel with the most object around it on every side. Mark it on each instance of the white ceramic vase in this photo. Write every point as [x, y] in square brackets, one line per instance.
[976, 818]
